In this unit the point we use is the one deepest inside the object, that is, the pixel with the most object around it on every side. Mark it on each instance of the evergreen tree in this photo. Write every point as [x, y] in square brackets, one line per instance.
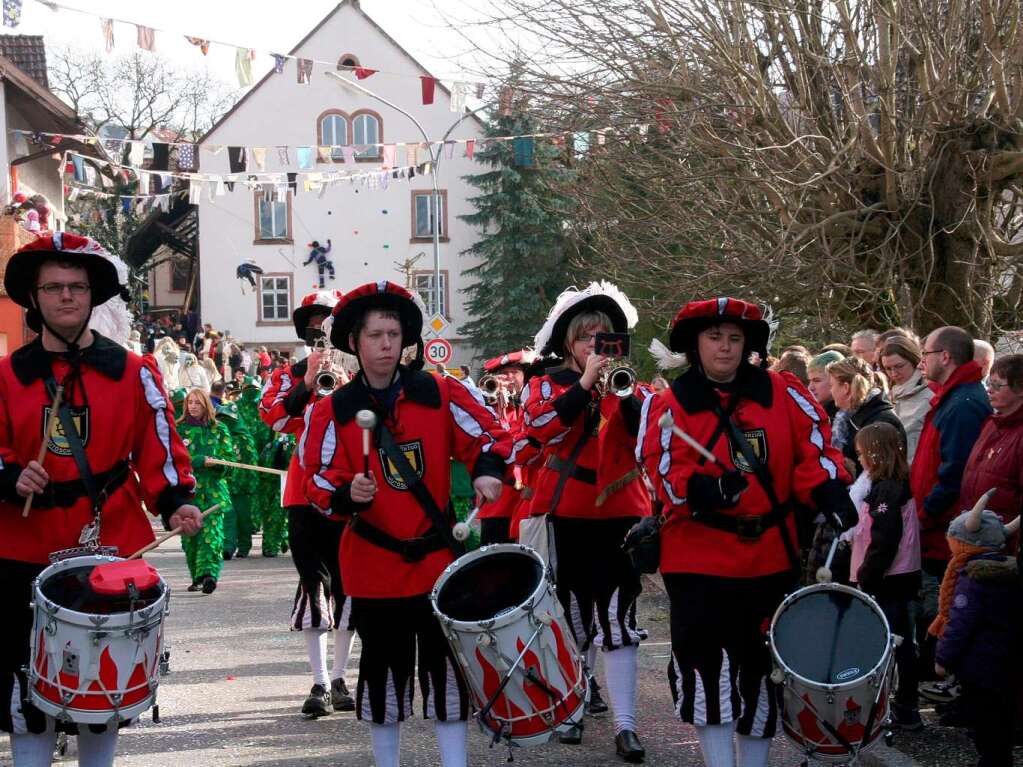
[523, 246]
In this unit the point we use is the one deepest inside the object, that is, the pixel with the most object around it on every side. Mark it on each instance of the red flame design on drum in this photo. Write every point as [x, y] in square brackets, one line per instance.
[565, 703]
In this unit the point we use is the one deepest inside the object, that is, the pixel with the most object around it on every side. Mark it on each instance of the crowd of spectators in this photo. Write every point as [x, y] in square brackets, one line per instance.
[953, 409]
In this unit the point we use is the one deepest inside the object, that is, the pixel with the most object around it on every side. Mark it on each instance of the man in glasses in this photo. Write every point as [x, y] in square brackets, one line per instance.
[958, 409]
[113, 446]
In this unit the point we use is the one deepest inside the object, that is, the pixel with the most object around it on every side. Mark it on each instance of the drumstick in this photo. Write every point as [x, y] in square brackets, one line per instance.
[461, 530]
[176, 531]
[367, 421]
[58, 395]
[667, 422]
[824, 572]
[249, 466]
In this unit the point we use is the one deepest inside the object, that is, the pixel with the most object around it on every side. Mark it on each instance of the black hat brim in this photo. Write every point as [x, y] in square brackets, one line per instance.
[605, 304]
[23, 269]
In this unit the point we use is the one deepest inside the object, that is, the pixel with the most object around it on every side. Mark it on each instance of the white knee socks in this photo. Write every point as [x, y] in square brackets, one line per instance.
[96, 749]
[342, 649]
[31, 750]
[718, 744]
[386, 744]
[316, 647]
[451, 737]
[591, 660]
[753, 752]
[620, 670]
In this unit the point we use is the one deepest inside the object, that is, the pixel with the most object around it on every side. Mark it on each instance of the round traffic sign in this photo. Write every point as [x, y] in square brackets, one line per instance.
[437, 351]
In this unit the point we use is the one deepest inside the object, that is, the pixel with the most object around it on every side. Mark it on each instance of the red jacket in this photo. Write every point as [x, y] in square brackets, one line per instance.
[605, 482]
[433, 420]
[511, 495]
[996, 461]
[123, 416]
[284, 401]
[782, 422]
[950, 430]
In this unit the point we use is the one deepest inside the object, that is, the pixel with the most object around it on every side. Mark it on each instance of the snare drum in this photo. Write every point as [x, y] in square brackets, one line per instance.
[833, 653]
[95, 648]
[497, 608]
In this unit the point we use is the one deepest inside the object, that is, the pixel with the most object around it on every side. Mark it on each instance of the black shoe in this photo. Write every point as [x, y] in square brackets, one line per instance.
[573, 736]
[228, 555]
[906, 719]
[628, 747]
[596, 704]
[340, 698]
[269, 555]
[209, 584]
[284, 548]
[242, 555]
[196, 585]
[318, 702]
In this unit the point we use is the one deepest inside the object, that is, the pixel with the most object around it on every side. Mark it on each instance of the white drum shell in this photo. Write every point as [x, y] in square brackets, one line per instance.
[486, 649]
[71, 650]
[844, 705]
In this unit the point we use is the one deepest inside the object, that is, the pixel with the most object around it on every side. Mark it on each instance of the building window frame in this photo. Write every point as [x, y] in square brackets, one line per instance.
[427, 293]
[336, 155]
[373, 153]
[258, 238]
[416, 236]
[172, 266]
[348, 67]
[288, 291]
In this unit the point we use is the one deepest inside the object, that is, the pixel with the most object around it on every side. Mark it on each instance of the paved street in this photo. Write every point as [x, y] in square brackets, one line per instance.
[238, 677]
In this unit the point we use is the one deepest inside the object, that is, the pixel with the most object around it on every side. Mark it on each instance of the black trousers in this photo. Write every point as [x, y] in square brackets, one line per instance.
[315, 543]
[495, 530]
[992, 712]
[899, 620]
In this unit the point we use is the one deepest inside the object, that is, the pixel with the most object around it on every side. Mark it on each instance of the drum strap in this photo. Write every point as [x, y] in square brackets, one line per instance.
[764, 475]
[74, 442]
[420, 492]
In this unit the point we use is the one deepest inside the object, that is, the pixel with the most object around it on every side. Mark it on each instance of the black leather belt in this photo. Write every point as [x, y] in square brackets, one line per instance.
[581, 473]
[410, 549]
[748, 528]
[66, 493]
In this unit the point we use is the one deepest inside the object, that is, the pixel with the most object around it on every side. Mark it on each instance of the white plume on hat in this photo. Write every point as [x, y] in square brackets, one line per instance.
[112, 318]
[665, 357]
[572, 296]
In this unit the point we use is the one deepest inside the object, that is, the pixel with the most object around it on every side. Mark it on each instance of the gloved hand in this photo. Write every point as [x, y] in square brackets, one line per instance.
[832, 499]
[643, 544]
[707, 493]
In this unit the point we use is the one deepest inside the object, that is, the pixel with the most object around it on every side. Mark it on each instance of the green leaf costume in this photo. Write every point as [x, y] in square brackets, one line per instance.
[204, 552]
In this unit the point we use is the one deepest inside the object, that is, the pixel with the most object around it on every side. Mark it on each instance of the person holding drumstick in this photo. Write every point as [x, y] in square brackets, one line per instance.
[590, 487]
[728, 544]
[393, 490]
[114, 421]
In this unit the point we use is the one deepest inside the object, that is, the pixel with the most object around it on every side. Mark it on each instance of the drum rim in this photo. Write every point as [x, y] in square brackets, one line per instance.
[472, 556]
[840, 686]
[43, 602]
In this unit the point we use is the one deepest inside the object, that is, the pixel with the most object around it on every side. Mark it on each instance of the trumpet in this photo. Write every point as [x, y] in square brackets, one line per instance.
[332, 372]
[490, 386]
[618, 379]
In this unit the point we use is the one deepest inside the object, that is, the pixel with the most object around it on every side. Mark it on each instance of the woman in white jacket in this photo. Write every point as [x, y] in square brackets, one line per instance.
[910, 395]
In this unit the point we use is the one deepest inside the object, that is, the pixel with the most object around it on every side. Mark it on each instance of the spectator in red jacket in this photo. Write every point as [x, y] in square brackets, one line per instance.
[958, 409]
[996, 460]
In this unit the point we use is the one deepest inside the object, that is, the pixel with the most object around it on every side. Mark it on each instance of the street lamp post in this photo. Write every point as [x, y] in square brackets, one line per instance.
[435, 157]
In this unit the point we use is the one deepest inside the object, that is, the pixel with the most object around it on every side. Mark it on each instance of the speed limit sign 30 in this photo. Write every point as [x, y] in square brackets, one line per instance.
[437, 351]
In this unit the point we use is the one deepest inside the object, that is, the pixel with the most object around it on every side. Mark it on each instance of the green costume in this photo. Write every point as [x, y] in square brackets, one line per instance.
[204, 552]
[463, 497]
[276, 454]
[242, 483]
[266, 510]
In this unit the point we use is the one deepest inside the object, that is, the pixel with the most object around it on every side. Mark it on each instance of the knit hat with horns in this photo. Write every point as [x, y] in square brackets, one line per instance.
[982, 528]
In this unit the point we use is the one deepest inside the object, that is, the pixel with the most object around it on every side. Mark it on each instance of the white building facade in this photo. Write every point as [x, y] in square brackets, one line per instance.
[377, 233]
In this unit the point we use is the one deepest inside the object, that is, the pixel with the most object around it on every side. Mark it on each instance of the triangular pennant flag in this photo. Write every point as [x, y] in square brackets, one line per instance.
[470, 148]
[259, 157]
[362, 73]
[428, 85]
[146, 37]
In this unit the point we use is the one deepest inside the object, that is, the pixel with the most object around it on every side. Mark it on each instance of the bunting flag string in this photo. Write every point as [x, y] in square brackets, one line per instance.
[307, 155]
[146, 39]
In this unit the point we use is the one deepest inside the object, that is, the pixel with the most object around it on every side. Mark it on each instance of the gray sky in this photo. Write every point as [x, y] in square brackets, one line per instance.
[264, 25]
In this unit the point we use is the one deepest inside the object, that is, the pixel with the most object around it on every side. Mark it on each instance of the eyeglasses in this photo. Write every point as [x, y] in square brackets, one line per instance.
[933, 351]
[992, 386]
[57, 288]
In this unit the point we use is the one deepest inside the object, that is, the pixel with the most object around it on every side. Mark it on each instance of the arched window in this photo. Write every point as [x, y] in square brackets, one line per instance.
[348, 61]
[367, 128]
[333, 131]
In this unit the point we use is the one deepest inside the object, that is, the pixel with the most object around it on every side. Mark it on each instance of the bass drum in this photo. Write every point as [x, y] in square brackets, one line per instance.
[507, 630]
[832, 651]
